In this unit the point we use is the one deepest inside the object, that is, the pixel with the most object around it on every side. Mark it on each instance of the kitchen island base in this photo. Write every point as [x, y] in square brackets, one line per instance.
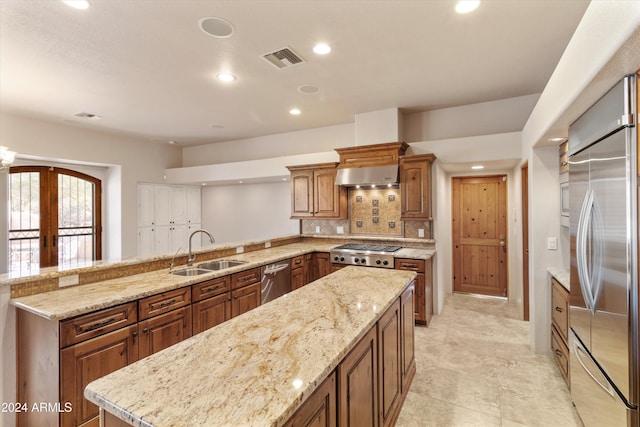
[337, 349]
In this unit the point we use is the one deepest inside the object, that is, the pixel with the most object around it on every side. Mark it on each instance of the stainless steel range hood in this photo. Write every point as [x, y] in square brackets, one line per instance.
[368, 175]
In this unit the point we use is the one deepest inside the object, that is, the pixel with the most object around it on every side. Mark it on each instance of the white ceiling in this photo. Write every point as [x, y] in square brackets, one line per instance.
[147, 68]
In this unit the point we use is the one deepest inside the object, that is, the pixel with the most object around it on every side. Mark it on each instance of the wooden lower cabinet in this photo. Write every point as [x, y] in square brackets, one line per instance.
[87, 361]
[358, 384]
[245, 299]
[211, 312]
[323, 263]
[165, 330]
[407, 333]
[423, 287]
[560, 328]
[389, 364]
[298, 272]
[319, 410]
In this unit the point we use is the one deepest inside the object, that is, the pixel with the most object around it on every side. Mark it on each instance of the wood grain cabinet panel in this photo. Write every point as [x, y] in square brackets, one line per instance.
[210, 288]
[319, 410]
[165, 330]
[314, 193]
[245, 299]
[94, 324]
[407, 334]
[164, 303]
[423, 304]
[211, 312]
[389, 364]
[560, 328]
[415, 187]
[85, 362]
[358, 384]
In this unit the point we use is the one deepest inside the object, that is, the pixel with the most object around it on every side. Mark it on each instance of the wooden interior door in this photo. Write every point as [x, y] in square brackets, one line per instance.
[479, 224]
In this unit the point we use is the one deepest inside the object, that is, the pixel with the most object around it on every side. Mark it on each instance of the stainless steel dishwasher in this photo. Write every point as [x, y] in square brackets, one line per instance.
[276, 280]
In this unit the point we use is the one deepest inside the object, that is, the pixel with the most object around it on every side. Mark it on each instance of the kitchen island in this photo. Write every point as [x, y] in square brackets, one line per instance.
[260, 367]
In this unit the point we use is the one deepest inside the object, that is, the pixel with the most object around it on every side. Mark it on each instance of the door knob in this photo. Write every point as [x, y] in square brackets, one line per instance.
[502, 243]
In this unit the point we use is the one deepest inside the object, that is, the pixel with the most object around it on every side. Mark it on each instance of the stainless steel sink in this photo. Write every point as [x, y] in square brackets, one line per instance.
[220, 264]
[191, 272]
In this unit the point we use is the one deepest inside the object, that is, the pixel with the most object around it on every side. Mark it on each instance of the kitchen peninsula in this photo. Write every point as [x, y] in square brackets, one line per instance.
[262, 368]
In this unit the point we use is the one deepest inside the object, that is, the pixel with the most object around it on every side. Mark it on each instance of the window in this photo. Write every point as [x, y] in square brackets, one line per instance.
[55, 218]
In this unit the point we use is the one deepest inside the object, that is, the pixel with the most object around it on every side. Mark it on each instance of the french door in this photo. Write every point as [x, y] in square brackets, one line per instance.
[55, 218]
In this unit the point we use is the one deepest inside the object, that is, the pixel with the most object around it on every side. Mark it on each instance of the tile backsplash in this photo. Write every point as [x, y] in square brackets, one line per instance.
[372, 212]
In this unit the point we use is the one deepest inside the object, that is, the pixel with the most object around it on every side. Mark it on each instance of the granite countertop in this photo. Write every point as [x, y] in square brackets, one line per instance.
[562, 276]
[255, 369]
[73, 301]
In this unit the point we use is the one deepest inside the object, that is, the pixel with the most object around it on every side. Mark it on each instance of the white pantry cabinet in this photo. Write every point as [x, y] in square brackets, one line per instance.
[167, 214]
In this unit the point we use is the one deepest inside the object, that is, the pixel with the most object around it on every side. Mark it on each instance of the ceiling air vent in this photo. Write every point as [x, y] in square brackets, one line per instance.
[89, 116]
[282, 58]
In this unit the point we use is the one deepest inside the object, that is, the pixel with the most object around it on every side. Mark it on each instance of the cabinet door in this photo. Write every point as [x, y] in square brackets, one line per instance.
[358, 384]
[323, 264]
[194, 205]
[162, 242]
[165, 330]
[389, 364]
[162, 203]
[415, 187]
[146, 241]
[245, 299]
[211, 312]
[302, 193]
[407, 338]
[319, 410]
[146, 205]
[297, 278]
[308, 269]
[178, 204]
[329, 201]
[87, 361]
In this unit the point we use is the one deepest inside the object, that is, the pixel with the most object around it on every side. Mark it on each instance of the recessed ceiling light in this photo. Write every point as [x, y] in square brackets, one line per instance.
[216, 126]
[77, 4]
[88, 116]
[295, 112]
[322, 49]
[204, 184]
[226, 77]
[557, 139]
[477, 167]
[216, 27]
[466, 6]
[173, 142]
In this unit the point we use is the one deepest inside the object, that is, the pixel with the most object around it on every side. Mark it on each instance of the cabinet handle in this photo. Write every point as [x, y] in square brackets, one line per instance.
[559, 353]
[247, 279]
[211, 288]
[558, 309]
[101, 324]
[145, 330]
[167, 303]
[135, 334]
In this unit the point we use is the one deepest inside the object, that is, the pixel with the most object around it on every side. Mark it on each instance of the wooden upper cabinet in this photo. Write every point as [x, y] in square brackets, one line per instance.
[415, 186]
[372, 155]
[314, 192]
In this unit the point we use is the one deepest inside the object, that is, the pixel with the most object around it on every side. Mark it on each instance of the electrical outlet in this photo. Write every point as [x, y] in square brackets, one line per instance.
[240, 249]
[420, 232]
[340, 230]
[267, 244]
[317, 228]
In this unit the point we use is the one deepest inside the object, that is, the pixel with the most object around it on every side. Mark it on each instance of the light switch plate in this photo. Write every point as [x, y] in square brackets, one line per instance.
[340, 230]
[552, 243]
[317, 228]
[420, 232]
[267, 244]
[240, 249]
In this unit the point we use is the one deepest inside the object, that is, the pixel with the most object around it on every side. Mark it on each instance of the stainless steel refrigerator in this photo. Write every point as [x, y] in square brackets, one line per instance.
[604, 256]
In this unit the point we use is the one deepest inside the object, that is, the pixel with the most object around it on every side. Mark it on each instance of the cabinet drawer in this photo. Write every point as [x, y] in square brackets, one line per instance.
[97, 323]
[410, 264]
[560, 308]
[245, 278]
[210, 288]
[163, 303]
[560, 353]
[297, 262]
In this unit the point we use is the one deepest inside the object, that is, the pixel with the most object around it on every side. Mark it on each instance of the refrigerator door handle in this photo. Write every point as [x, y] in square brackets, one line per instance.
[590, 228]
[580, 352]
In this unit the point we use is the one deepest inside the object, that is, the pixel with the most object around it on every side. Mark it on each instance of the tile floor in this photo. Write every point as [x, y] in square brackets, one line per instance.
[475, 368]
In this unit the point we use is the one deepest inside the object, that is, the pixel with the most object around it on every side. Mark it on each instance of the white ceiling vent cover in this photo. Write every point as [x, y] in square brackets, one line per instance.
[282, 58]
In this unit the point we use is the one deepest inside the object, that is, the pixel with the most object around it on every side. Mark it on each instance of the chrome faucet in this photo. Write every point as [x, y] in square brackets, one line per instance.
[192, 258]
[171, 264]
